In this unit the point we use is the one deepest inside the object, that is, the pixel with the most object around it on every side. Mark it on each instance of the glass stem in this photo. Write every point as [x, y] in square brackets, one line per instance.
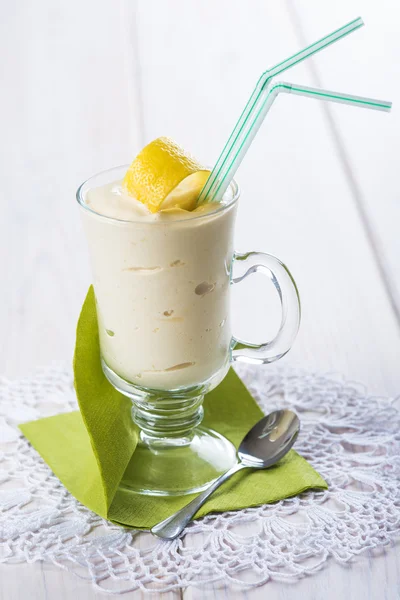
[169, 417]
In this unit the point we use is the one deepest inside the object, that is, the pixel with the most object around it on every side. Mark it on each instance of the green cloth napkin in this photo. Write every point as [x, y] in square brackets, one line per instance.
[90, 450]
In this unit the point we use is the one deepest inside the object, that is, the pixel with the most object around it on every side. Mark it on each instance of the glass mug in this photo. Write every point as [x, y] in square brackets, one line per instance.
[163, 306]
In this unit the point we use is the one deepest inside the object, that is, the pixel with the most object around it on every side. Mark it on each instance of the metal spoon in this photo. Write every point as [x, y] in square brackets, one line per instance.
[266, 443]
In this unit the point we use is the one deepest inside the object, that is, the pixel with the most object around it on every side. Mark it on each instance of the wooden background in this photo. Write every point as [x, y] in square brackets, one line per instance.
[85, 85]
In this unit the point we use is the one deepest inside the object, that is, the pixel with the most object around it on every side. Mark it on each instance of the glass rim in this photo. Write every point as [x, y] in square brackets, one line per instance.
[81, 201]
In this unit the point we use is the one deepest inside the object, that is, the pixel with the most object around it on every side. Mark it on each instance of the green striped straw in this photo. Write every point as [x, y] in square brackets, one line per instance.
[259, 104]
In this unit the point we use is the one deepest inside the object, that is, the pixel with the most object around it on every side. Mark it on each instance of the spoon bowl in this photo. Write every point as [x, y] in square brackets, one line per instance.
[269, 440]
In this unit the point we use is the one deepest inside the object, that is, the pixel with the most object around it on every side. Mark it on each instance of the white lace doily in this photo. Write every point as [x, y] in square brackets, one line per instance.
[350, 438]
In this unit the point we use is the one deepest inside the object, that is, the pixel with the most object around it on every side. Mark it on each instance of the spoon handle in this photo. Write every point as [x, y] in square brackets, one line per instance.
[171, 527]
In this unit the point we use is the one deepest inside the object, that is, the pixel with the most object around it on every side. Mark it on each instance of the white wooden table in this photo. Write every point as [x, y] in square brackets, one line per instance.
[85, 85]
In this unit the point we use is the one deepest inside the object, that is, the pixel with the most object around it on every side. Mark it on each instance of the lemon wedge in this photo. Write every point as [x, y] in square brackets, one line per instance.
[164, 176]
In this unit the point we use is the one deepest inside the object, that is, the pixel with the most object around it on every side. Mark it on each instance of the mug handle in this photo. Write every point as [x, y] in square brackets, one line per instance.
[278, 273]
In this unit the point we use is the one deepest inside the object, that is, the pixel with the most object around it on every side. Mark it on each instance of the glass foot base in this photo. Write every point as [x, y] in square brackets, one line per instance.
[175, 467]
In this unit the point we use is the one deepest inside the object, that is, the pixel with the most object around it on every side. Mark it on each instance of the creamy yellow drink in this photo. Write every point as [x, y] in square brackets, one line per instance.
[161, 281]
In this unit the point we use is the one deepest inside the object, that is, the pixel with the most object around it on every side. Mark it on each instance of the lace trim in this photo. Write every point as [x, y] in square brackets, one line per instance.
[352, 439]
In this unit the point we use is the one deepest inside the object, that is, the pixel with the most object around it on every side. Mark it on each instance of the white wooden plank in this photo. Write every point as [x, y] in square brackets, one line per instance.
[296, 201]
[43, 581]
[366, 64]
[372, 576]
[46, 581]
[66, 113]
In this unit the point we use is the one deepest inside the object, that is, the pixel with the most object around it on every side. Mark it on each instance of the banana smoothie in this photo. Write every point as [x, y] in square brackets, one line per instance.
[161, 280]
